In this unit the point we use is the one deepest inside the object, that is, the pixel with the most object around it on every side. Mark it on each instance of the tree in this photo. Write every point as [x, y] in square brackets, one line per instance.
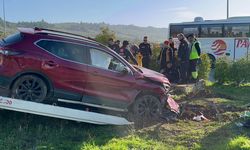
[1, 35]
[204, 67]
[105, 35]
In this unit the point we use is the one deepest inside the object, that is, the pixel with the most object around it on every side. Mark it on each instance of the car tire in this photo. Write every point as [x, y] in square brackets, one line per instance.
[30, 88]
[147, 108]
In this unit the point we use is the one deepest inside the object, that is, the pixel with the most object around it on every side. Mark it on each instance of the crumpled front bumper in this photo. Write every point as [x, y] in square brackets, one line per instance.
[172, 105]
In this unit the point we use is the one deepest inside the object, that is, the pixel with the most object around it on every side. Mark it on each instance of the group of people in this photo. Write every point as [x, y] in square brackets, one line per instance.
[179, 64]
[134, 53]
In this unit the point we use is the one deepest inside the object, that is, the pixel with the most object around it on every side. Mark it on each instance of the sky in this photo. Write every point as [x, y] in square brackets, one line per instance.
[156, 13]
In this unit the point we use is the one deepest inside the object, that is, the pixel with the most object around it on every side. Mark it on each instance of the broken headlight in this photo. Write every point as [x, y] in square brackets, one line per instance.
[166, 87]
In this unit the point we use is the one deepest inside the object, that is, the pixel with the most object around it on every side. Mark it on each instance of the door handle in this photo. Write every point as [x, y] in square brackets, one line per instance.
[49, 64]
[95, 73]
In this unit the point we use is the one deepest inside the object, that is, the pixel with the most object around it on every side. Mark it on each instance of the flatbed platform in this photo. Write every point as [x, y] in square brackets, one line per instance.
[60, 112]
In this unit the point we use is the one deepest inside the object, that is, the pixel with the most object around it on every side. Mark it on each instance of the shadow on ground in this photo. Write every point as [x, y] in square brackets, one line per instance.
[26, 131]
[220, 138]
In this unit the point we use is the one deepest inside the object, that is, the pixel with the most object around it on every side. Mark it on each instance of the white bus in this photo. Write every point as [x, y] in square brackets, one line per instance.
[218, 38]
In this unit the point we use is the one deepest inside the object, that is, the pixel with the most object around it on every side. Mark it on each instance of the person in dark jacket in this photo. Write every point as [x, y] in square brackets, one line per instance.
[183, 58]
[171, 43]
[125, 52]
[176, 74]
[111, 44]
[117, 46]
[145, 50]
[134, 49]
[166, 57]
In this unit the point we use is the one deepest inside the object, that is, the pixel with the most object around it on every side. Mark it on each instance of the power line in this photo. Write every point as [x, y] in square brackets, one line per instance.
[227, 9]
[4, 18]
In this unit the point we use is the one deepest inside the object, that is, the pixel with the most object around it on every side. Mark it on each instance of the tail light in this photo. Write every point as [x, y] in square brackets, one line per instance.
[1, 56]
[5, 52]
[8, 52]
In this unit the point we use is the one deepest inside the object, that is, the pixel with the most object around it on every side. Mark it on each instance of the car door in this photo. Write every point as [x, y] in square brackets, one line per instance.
[106, 84]
[64, 64]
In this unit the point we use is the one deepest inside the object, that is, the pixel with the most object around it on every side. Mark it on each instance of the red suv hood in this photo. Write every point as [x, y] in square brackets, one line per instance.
[153, 75]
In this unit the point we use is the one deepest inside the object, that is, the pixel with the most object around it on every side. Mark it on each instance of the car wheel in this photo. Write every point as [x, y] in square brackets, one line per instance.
[30, 88]
[147, 108]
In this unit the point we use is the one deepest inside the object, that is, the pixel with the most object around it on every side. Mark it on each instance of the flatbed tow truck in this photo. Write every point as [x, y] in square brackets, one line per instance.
[150, 79]
[60, 112]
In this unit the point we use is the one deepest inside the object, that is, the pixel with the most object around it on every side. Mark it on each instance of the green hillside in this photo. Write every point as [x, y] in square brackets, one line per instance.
[128, 32]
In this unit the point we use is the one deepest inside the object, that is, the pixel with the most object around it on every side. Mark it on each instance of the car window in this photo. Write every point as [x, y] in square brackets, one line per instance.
[106, 61]
[14, 38]
[69, 51]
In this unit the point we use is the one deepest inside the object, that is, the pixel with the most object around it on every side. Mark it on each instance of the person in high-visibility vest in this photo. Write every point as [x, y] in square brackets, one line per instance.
[194, 56]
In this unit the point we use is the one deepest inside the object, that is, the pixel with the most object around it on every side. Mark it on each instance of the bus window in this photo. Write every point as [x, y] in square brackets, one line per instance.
[174, 30]
[185, 29]
[237, 30]
[211, 31]
[191, 30]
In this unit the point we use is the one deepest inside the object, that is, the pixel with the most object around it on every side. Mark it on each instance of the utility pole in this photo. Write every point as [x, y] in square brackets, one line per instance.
[227, 9]
[4, 18]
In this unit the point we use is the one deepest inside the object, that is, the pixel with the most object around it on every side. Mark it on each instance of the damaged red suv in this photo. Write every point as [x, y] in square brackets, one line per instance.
[41, 64]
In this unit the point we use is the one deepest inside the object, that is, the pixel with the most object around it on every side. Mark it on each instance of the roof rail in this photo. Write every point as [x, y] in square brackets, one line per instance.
[56, 32]
[67, 34]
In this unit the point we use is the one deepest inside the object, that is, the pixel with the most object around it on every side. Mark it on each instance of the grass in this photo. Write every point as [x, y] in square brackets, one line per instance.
[240, 142]
[129, 142]
[196, 135]
[24, 131]
[234, 95]
[20, 131]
